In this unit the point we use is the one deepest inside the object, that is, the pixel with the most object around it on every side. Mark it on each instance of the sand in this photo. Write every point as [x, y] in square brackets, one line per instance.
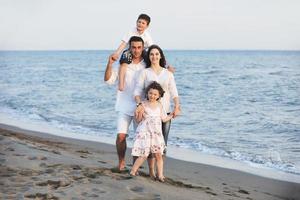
[37, 165]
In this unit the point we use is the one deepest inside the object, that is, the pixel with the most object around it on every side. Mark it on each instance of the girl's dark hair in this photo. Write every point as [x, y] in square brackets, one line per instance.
[155, 85]
[145, 17]
[162, 61]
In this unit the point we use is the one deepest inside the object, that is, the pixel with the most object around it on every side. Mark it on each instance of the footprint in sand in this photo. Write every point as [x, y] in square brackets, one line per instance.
[139, 191]
[41, 196]
[55, 184]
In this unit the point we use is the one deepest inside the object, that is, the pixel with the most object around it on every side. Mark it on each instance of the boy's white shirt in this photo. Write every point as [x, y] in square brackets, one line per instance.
[125, 102]
[145, 36]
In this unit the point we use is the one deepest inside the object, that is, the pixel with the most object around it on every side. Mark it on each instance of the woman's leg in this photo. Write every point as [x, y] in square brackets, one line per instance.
[159, 166]
[165, 130]
[139, 161]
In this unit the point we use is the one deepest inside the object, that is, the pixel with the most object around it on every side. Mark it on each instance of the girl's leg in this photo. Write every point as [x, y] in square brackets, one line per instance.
[159, 166]
[151, 165]
[139, 161]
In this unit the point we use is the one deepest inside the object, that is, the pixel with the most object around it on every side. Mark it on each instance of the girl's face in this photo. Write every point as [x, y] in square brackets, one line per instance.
[153, 95]
[154, 56]
[141, 25]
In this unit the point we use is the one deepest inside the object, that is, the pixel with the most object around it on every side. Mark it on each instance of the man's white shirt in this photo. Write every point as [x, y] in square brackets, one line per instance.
[125, 102]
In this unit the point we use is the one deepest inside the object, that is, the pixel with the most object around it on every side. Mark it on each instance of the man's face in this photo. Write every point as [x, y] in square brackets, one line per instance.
[136, 49]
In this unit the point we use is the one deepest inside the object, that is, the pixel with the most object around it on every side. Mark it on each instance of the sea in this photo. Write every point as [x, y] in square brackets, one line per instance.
[238, 107]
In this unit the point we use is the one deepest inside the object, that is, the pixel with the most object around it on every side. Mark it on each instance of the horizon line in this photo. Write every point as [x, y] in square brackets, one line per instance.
[1, 50]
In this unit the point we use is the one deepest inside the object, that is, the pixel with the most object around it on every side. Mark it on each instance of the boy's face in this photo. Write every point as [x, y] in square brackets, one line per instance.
[136, 49]
[141, 25]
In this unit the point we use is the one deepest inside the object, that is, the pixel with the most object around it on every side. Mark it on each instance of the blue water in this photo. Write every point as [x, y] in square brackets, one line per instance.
[242, 105]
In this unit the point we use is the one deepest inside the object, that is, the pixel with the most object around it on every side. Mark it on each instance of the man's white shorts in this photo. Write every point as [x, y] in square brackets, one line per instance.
[124, 122]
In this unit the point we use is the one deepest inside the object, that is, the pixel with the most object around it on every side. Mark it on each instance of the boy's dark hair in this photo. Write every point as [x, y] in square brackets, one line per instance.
[135, 39]
[145, 17]
[162, 61]
[155, 85]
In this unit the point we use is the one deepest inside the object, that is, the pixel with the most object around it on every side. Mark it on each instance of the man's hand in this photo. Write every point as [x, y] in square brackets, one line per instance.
[114, 56]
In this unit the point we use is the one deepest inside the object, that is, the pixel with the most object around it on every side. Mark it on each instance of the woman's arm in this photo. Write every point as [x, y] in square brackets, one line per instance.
[177, 108]
[174, 95]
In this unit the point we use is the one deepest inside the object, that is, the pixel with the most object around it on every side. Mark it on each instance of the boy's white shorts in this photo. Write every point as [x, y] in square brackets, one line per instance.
[124, 122]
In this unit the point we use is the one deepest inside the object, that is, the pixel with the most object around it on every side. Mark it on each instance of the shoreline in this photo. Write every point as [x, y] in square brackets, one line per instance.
[173, 152]
[32, 162]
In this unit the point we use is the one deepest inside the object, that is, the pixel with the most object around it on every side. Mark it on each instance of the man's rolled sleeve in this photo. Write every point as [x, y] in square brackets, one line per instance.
[113, 78]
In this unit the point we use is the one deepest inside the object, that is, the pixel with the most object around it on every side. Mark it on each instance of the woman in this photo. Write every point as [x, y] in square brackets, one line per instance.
[156, 71]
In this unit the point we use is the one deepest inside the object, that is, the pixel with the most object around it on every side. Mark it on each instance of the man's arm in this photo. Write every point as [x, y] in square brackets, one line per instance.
[108, 70]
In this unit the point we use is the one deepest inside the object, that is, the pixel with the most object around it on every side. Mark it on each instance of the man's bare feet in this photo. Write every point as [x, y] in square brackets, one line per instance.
[122, 165]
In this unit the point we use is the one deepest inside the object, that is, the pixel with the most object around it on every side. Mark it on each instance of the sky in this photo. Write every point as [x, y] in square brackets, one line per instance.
[175, 24]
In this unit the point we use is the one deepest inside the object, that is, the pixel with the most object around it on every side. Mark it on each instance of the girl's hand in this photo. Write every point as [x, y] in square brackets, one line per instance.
[139, 113]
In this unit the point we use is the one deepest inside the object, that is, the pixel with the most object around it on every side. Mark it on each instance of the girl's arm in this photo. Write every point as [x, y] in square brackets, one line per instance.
[167, 118]
[164, 116]
[122, 72]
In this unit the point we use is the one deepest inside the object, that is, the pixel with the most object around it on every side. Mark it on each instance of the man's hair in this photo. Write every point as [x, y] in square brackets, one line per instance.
[145, 17]
[135, 39]
[155, 85]
[162, 61]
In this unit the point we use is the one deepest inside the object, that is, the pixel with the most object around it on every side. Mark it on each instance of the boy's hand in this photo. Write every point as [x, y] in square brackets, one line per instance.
[170, 68]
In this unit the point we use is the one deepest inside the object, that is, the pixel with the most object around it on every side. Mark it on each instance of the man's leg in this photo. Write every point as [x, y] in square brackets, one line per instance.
[121, 149]
[122, 126]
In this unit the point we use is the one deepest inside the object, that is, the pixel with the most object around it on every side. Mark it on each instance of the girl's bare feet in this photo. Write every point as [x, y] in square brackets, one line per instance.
[161, 179]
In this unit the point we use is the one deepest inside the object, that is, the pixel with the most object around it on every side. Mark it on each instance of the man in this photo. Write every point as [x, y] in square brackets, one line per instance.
[125, 103]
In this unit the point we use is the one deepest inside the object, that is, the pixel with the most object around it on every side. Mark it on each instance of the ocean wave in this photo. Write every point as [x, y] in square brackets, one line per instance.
[271, 160]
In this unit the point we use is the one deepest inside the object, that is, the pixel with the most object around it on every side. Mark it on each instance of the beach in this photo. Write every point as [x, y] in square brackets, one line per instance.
[37, 165]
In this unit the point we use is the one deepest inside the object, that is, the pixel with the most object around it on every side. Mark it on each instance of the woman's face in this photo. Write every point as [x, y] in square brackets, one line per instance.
[154, 56]
[153, 95]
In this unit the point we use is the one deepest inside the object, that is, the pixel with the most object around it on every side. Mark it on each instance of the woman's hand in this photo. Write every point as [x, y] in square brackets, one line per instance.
[176, 111]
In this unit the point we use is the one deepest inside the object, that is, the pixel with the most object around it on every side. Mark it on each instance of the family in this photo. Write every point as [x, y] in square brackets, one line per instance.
[146, 88]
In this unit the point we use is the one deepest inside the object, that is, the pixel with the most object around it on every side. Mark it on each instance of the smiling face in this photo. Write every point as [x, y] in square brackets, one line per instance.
[153, 95]
[141, 25]
[154, 56]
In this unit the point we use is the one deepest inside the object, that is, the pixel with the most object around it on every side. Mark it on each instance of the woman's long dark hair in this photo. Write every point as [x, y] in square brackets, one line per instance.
[162, 61]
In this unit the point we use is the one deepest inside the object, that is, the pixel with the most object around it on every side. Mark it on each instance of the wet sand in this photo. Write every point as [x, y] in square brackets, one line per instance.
[37, 165]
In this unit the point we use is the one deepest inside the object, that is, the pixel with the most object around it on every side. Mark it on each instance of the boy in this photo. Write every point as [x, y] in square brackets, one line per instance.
[142, 24]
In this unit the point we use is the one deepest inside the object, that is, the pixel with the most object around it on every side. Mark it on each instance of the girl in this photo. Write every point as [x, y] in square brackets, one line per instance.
[149, 138]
